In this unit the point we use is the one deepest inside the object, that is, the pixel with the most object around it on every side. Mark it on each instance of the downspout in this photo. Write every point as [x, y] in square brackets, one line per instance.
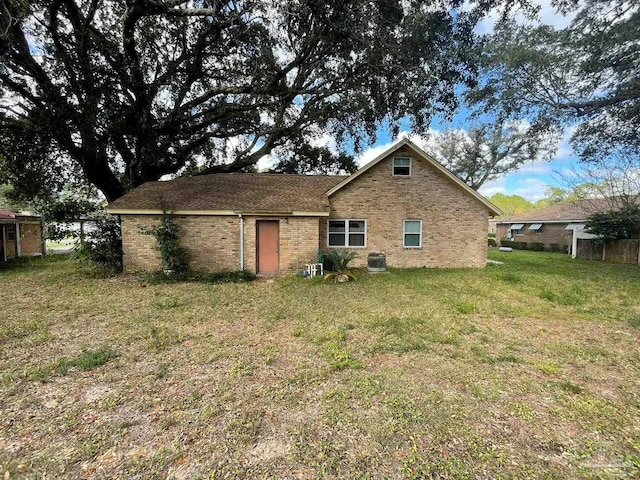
[18, 240]
[241, 241]
[4, 243]
[43, 241]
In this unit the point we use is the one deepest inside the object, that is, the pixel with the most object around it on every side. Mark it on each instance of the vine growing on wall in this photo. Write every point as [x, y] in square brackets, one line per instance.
[167, 234]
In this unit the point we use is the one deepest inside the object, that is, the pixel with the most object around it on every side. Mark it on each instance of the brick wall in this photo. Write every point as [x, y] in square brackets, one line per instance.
[299, 240]
[549, 233]
[213, 242]
[31, 238]
[454, 224]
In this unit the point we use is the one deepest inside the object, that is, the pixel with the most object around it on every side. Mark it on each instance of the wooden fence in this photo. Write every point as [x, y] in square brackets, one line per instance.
[616, 251]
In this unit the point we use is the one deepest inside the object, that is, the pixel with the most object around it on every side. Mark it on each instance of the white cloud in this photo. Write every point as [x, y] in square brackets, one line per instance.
[548, 15]
[564, 147]
[493, 187]
[530, 188]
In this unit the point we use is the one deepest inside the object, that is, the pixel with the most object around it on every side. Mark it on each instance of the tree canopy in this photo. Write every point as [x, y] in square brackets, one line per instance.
[489, 151]
[585, 76]
[123, 92]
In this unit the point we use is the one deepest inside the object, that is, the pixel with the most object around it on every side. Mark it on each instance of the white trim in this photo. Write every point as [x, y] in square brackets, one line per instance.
[426, 157]
[241, 241]
[404, 233]
[393, 166]
[18, 241]
[140, 211]
[346, 232]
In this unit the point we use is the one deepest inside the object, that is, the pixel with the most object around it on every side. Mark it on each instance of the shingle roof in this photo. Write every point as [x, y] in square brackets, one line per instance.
[578, 210]
[238, 192]
[11, 215]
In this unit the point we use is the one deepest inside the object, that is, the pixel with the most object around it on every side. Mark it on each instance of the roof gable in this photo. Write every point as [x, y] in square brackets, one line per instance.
[421, 154]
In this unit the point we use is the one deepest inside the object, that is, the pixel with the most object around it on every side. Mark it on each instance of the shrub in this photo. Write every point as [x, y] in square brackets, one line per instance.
[104, 246]
[341, 261]
[507, 243]
[536, 246]
[492, 242]
[173, 255]
[556, 247]
[520, 245]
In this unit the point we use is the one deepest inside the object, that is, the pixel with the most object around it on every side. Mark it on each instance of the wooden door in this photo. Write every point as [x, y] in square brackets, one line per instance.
[268, 246]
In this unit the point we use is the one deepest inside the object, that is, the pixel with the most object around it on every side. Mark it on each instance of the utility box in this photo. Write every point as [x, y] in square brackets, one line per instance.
[377, 262]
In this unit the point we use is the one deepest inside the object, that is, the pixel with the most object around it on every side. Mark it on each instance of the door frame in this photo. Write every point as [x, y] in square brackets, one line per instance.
[262, 222]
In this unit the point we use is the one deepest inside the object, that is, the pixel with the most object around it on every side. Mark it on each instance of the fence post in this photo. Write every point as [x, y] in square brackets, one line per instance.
[604, 250]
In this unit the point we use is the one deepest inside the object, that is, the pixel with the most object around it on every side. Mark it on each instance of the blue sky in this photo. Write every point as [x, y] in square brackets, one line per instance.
[532, 179]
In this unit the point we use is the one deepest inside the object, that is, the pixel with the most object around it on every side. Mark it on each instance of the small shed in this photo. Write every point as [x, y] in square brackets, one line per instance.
[21, 235]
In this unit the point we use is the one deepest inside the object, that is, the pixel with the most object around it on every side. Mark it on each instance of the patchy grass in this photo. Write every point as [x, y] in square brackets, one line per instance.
[528, 369]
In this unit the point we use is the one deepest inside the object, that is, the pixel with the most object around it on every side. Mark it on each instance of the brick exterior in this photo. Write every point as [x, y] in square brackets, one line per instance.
[454, 224]
[213, 242]
[30, 240]
[549, 233]
[299, 239]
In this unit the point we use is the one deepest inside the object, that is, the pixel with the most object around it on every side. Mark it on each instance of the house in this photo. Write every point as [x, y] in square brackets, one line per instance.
[403, 203]
[558, 227]
[20, 235]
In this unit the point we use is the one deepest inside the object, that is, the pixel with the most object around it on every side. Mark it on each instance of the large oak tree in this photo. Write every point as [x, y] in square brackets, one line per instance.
[585, 76]
[126, 91]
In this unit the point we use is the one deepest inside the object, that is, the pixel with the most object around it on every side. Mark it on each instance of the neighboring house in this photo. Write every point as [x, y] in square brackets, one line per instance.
[20, 235]
[557, 227]
[403, 203]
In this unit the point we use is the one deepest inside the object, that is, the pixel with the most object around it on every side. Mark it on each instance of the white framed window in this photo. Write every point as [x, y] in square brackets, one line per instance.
[402, 167]
[347, 233]
[412, 234]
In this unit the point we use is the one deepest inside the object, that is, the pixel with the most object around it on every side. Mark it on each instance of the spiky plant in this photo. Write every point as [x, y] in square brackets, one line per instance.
[341, 262]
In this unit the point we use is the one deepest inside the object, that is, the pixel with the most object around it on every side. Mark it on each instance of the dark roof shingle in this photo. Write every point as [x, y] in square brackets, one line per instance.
[578, 210]
[238, 192]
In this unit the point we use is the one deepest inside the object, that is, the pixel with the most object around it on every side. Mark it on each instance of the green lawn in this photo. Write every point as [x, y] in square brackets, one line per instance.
[530, 369]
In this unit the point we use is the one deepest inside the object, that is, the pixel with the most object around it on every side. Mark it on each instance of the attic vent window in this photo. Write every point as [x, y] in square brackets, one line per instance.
[401, 167]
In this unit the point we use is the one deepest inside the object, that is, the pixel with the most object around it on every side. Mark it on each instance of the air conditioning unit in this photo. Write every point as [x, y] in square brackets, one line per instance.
[377, 262]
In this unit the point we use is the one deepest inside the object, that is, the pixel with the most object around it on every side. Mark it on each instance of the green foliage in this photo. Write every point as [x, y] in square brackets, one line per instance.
[340, 261]
[492, 242]
[87, 360]
[622, 223]
[489, 151]
[182, 78]
[511, 204]
[581, 75]
[507, 243]
[339, 357]
[104, 245]
[319, 160]
[174, 256]
[571, 387]
[520, 245]
[557, 247]
[535, 246]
